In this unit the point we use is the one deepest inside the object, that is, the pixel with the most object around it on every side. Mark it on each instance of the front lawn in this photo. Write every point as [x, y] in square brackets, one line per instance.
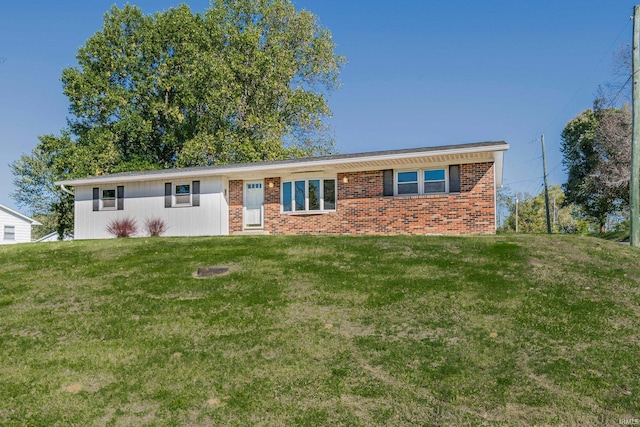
[331, 330]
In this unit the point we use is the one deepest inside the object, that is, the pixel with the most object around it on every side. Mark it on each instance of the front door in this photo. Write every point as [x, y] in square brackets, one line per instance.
[253, 199]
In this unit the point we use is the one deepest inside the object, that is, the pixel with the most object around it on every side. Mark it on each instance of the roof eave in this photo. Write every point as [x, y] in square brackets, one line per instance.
[19, 215]
[236, 170]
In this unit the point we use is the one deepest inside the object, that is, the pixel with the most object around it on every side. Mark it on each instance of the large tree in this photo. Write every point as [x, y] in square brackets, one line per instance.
[34, 175]
[613, 142]
[244, 81]
[595, 147]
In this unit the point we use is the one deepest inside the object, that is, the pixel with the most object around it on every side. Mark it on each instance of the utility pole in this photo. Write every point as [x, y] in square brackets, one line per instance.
[635, 139]
[546, 188]
[516, 212]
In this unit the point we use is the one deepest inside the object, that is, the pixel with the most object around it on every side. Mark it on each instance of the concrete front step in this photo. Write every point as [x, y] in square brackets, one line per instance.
[251, 233]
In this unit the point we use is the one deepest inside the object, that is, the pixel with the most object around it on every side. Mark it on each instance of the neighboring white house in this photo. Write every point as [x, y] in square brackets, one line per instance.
[53, 237]
[14, 227]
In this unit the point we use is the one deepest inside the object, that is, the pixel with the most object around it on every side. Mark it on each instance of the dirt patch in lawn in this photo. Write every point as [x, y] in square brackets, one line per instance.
[215, 271]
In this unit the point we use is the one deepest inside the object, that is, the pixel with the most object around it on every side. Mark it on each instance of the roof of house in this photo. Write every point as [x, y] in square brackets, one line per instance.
[53, 237]
[19, 215]
[388, 159]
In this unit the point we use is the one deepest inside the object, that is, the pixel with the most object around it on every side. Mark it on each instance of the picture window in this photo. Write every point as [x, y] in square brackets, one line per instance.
[309, 195]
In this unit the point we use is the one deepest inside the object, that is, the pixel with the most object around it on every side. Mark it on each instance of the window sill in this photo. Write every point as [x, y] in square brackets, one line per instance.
[421, 196]
[307, 213]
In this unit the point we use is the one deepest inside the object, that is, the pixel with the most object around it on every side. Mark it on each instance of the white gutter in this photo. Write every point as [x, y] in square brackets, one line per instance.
[499, 161]
[66, 190]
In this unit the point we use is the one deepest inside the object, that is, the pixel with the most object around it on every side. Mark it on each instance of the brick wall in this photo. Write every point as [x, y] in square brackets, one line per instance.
[235, 205]
[362, 209]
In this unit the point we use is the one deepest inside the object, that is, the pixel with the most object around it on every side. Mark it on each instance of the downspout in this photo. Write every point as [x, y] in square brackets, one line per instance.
[498, 182]
[495, 193]
[66, 190]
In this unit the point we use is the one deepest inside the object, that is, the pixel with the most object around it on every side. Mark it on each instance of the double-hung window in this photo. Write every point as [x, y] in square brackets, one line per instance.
[408, 182]
[9, 232]
[423, 181]
[181, 194]
[309, 195]
[434, 181]
[108, 197]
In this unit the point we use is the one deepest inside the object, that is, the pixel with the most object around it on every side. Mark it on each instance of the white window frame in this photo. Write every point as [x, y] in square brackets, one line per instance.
[397, 182]
[175, 195]
[13, 233]
[445, 179]
[102, 199]
[306, 180]
[421, 181]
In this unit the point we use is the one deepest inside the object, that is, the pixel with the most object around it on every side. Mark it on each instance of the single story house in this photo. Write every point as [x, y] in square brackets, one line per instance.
[15, 227]
[433, 190]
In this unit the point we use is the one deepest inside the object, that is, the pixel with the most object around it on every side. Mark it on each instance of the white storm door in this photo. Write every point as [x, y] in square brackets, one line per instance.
[253, 201]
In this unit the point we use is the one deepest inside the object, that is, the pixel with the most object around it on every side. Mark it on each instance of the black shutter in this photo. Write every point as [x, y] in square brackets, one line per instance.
[388, 182]
[120, 197]
[167, 195]
[195, 193]
[454, 178]
[96, 199]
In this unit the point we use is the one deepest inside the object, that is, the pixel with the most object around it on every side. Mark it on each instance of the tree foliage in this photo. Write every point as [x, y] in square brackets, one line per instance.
[613, 143]
[596, 151]
[618, 90]
[34, 175]
[247, 80]
[596, 146]
[565, 218]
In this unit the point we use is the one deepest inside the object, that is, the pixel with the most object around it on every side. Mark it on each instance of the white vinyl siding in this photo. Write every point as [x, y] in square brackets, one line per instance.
[13, 229]
[147, 200]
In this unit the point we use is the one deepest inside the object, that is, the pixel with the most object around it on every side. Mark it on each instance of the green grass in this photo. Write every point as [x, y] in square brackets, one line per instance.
[618, 236]
[354, 331]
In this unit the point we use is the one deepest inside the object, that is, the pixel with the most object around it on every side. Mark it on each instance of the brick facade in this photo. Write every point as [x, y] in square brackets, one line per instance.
[235, 206]
[362, 208]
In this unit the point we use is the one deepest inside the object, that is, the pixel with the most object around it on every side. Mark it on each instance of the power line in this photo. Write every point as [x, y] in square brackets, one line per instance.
[561, 111]
[619, 91]
[555, 167]
[593, 71]
[526, 162]
[523, 181]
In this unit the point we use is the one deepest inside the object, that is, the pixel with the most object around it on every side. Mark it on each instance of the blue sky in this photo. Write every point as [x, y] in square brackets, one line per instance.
[419, 73]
